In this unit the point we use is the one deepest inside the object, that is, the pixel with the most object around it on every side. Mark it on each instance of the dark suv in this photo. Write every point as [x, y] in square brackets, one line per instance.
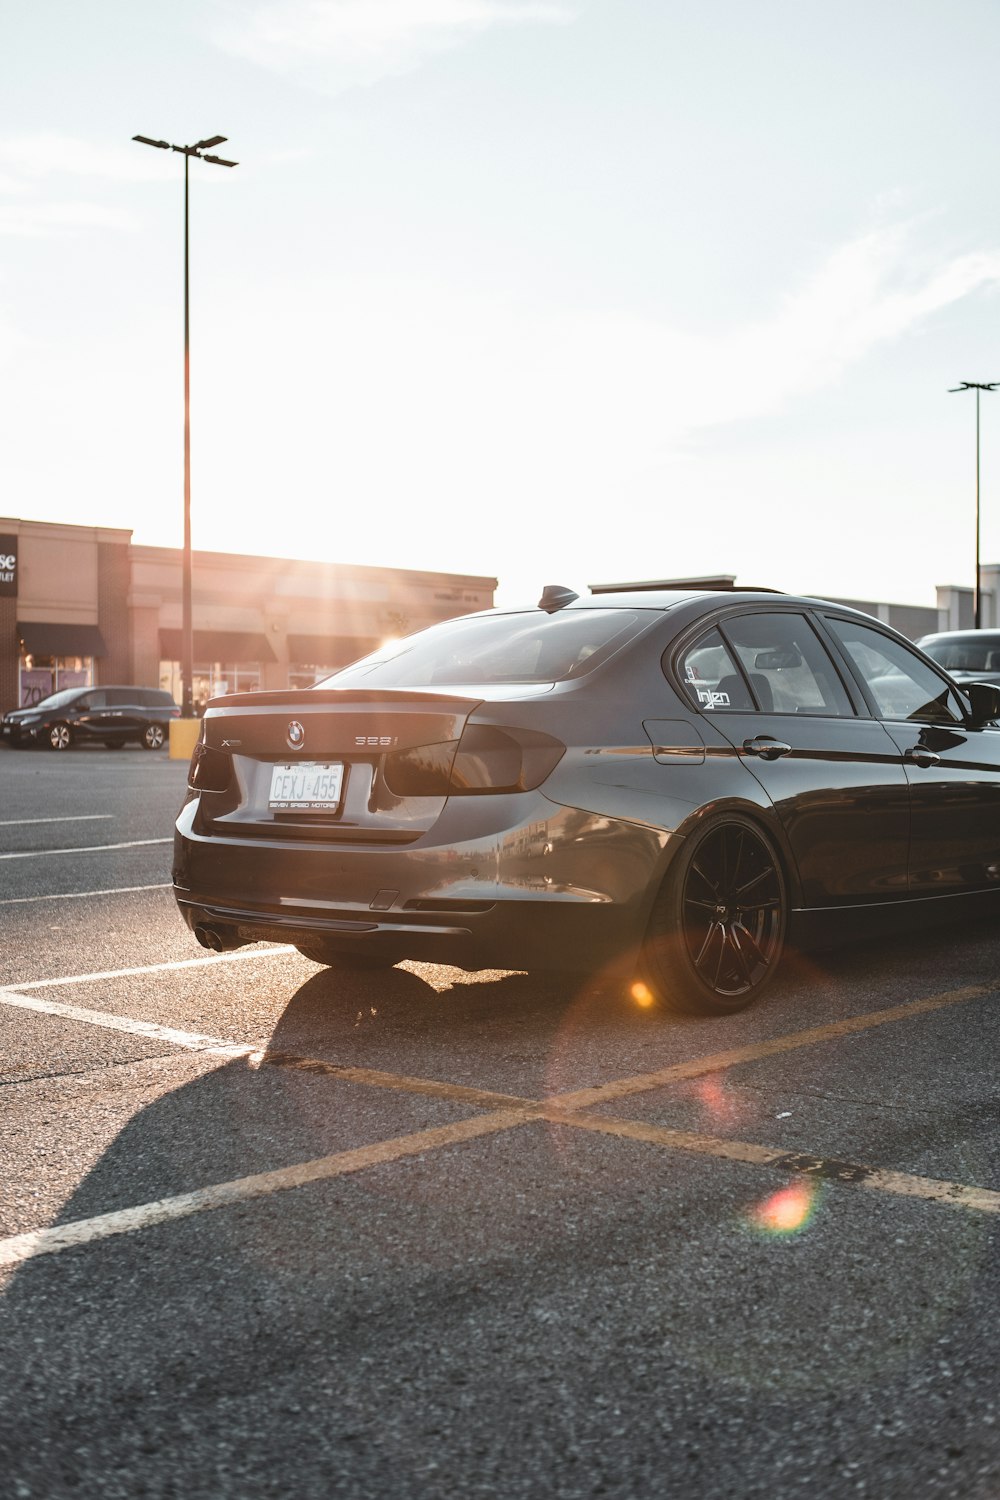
[111, 715]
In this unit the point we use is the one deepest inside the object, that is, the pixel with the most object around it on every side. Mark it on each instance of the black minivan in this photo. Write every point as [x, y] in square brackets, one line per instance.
[109, 715]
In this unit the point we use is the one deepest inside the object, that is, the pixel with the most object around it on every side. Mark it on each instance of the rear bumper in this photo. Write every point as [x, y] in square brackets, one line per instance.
[506, 882]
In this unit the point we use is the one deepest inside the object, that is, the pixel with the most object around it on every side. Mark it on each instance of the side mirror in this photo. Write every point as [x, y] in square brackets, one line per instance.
[984, 701]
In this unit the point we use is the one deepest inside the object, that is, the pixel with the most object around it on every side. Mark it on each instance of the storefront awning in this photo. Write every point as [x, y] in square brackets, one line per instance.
[45, 639]
[218, 645]
[329, 650]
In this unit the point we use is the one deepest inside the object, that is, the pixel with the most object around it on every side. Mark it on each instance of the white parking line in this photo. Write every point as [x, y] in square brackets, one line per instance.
[71, 818]
[194, 1041]
[117, 890]
[84, 849]
[10, 992]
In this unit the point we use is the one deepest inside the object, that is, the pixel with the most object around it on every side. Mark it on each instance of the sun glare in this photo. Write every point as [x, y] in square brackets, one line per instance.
[786, 1211]
[642, 995]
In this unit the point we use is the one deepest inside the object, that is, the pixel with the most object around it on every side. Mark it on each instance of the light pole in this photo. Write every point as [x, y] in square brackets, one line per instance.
[187, 631]
[977, 386]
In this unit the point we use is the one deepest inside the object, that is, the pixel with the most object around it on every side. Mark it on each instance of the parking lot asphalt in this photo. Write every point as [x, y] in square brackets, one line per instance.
[270, 1230]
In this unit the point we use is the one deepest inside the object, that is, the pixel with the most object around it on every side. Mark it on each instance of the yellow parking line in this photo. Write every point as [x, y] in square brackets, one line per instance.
[565, 1109]
[457, 1093]
[958, 1194]
[641, 1083]
[21, 1247]
[903, 1184]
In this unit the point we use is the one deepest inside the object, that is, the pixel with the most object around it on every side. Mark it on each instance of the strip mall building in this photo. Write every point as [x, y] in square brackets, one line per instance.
[81, 605]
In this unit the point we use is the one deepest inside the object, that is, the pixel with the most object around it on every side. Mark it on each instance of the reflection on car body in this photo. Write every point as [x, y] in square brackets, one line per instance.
[668, 784]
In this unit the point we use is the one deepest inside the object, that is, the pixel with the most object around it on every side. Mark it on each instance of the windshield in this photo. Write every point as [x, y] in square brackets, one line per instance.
[979, 655]
[529, 647]
[56, 700]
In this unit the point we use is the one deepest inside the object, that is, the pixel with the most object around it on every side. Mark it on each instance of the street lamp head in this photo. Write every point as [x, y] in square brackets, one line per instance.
[196, 150]
[975, 385]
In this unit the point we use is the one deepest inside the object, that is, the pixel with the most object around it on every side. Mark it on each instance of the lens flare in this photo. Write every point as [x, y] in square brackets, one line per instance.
[714, 1098]
[786, 1211]
[642, 995]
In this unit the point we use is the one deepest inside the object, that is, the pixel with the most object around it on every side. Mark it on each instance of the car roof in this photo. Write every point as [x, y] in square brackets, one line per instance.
[662, 600]
[103, 687]
[642, 598]
[961, 635]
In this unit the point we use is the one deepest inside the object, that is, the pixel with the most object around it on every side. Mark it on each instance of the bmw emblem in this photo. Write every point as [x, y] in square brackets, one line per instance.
[296, 735]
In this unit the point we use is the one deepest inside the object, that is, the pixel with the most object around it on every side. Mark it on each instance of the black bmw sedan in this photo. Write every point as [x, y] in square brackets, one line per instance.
[664, 785]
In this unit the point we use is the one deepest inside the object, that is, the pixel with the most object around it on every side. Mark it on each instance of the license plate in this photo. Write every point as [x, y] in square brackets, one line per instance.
[307, 786]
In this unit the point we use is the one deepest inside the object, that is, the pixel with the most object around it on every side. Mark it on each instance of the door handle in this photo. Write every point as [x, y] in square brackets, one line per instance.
[767, 748]
[921, 756]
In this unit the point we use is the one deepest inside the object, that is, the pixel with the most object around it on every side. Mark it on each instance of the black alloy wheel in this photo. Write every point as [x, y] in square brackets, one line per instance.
[319, 951]
[717, 928]
[153, 737]
[60, 736]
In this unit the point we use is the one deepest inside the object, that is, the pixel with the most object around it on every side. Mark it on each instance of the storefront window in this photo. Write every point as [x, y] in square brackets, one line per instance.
[304, 674]
[38, 676]
[210, 680]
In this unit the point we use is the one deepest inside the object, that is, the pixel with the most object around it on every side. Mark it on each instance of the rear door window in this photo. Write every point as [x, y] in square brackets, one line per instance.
[711, 677]
[788, 667]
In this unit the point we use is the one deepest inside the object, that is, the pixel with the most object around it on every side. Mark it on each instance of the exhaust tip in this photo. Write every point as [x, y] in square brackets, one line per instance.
[209, 938]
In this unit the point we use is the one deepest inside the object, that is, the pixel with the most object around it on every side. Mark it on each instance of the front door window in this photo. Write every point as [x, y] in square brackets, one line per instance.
[901, 684]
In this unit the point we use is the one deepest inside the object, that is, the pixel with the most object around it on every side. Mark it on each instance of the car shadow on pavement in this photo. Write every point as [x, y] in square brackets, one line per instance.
[316, 1341]
[166, 1361]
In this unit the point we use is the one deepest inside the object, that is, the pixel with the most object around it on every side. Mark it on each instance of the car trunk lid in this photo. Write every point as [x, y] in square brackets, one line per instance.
[311, 764]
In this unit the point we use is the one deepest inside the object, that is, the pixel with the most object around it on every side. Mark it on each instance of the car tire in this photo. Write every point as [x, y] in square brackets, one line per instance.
[153, 737]
[60, 736]
[717, 928]
[320, 952]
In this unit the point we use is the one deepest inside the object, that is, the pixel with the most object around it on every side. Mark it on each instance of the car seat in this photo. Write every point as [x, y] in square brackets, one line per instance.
[735, 690]
[762, 688]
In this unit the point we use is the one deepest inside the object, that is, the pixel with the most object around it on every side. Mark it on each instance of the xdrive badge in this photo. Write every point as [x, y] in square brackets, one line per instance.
[296, 735]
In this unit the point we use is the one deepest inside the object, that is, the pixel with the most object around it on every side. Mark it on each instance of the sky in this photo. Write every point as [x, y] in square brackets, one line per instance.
[552, 291]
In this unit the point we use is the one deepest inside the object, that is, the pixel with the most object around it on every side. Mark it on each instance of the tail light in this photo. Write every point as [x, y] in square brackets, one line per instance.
[210, 770]
[486, 759]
